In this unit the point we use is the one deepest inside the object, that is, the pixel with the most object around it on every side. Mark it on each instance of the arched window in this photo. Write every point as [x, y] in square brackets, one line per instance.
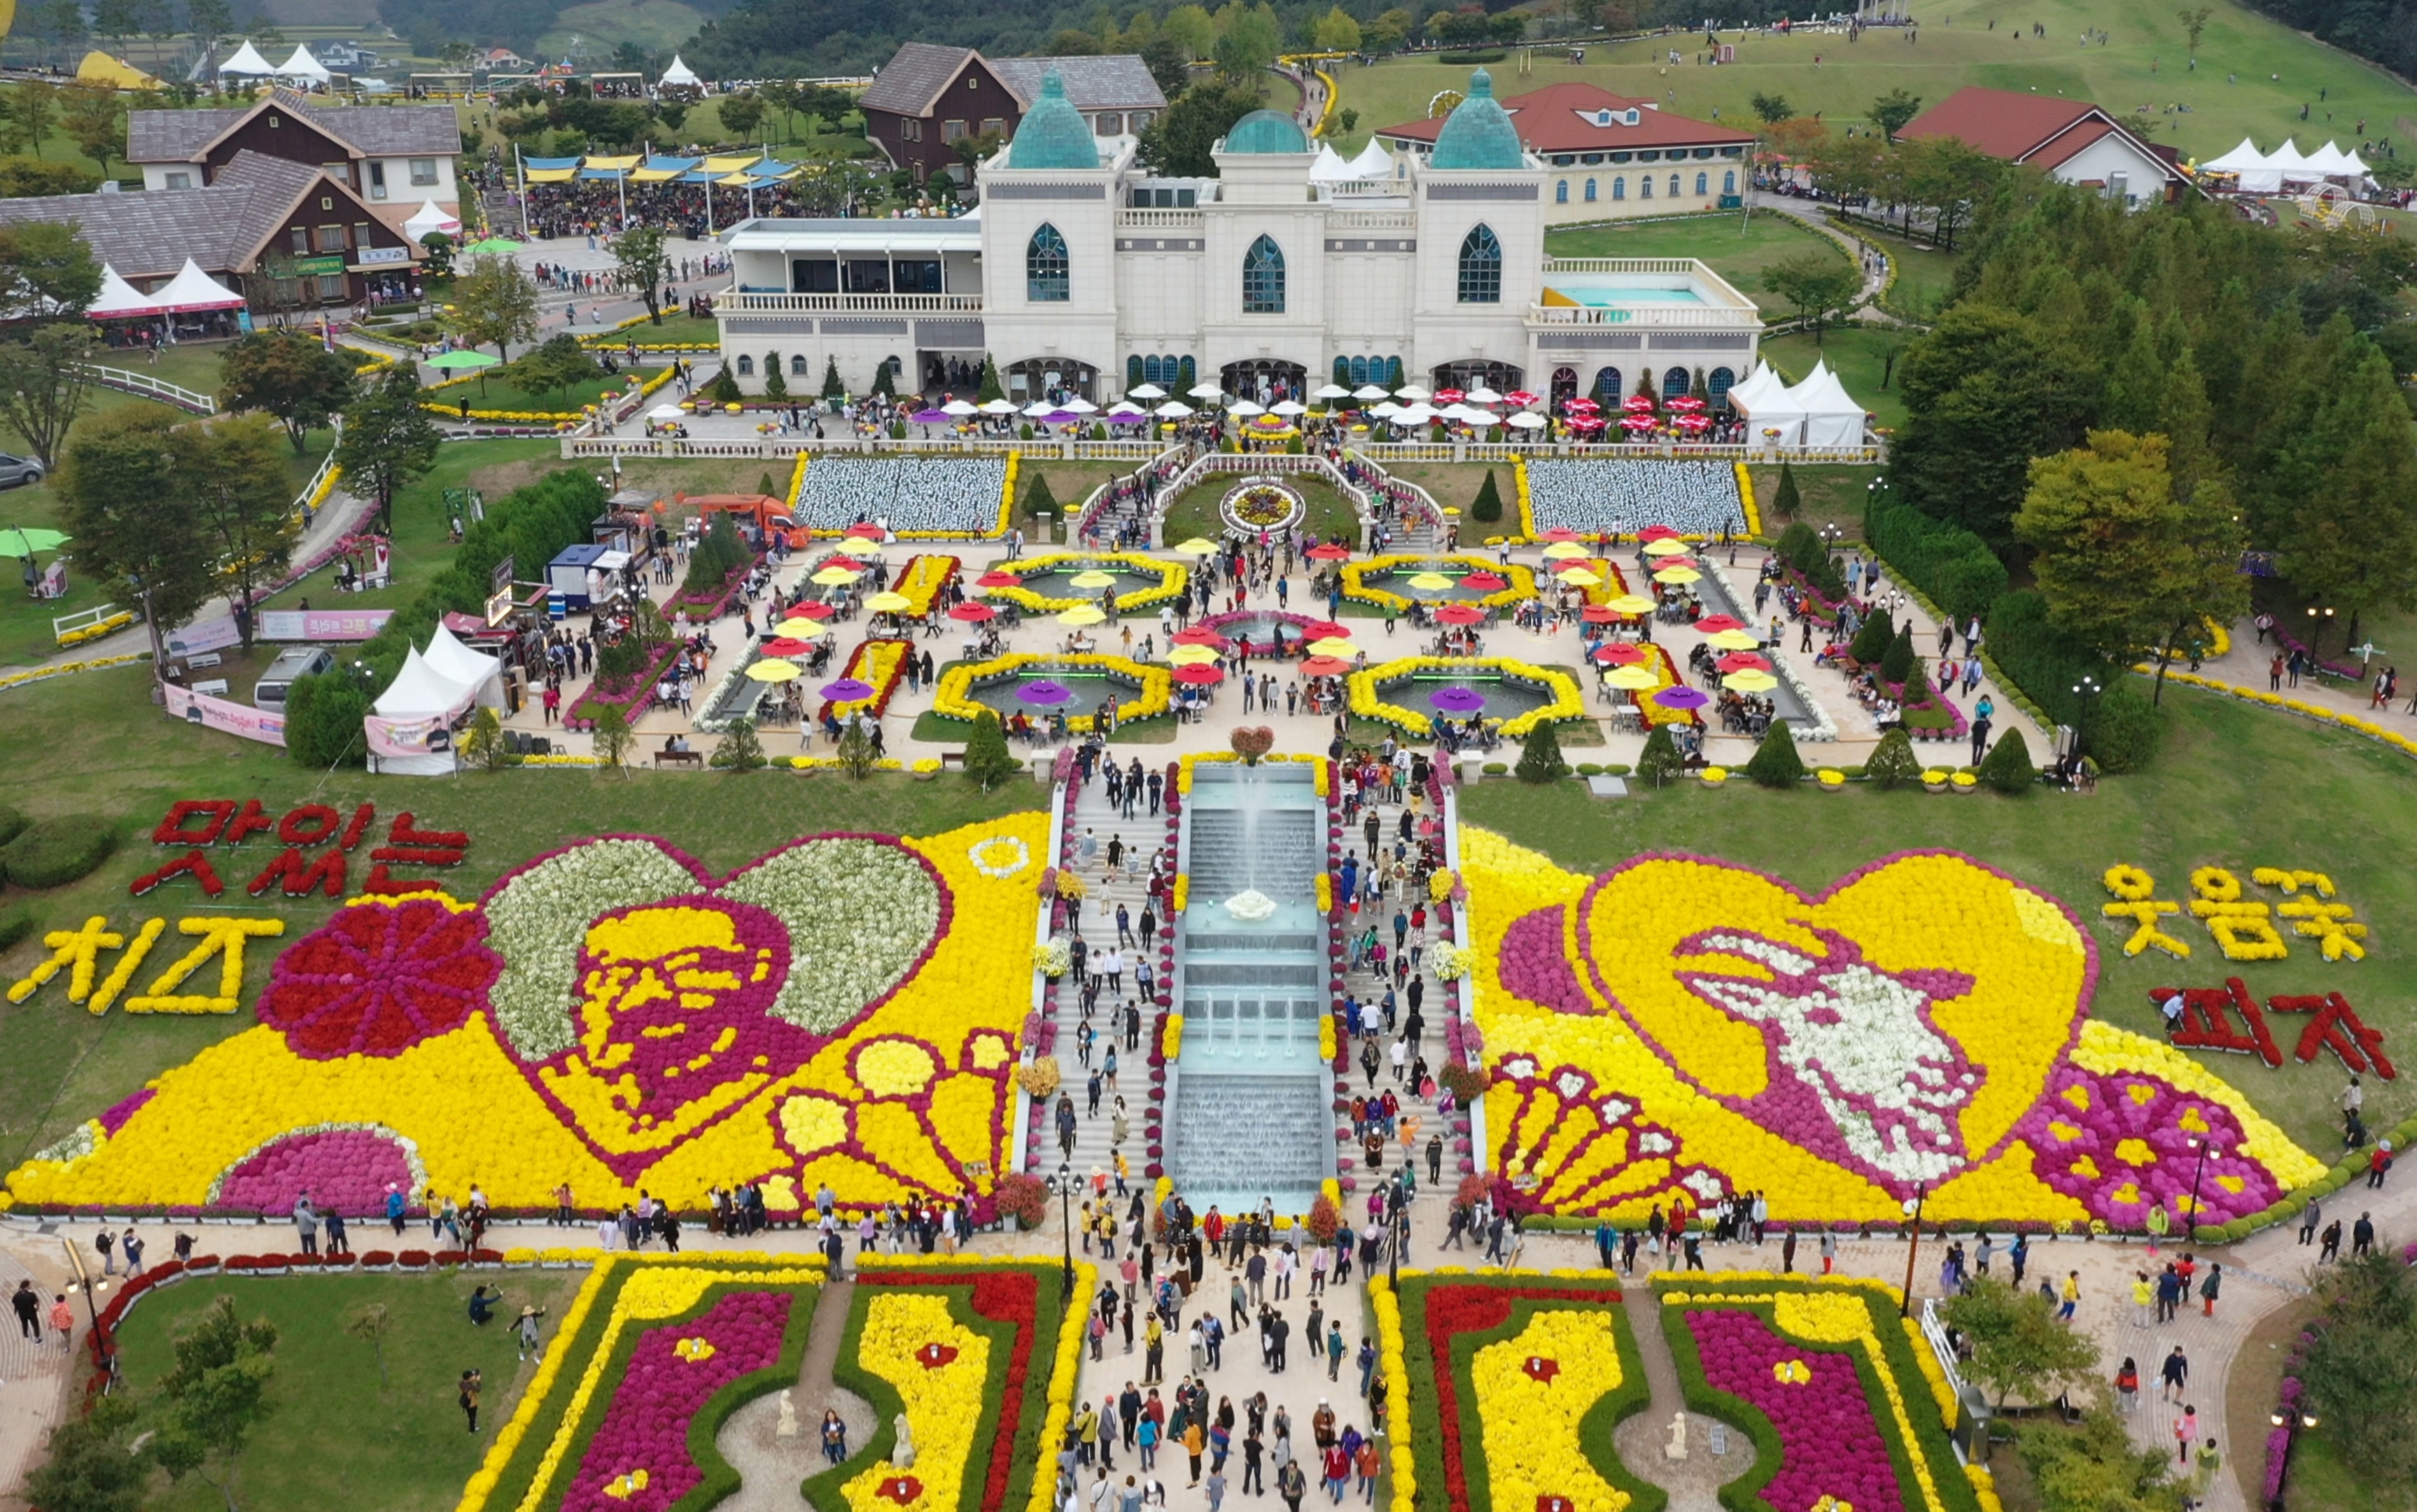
[1619, 188]
[1589, 191]
[1676, 383]
[1674, 186]
[1561, 192]
[1716, 386]
[1358, 370]
[1728, 182]
[1263, 278]
[1703, 183]
[747, 367]
[1647, 181]
[799, 368]
[1606, 386]
[1044, 267]
[1140, 370]
[1481, 267]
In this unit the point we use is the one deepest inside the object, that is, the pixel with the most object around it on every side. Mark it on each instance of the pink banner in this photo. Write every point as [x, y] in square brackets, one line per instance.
[322, 624]
[402, 737]
[224, 715]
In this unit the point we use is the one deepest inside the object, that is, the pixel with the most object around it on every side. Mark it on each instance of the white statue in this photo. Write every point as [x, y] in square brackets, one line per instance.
[787, 1427]
[1676, 1448]
[901, 1454]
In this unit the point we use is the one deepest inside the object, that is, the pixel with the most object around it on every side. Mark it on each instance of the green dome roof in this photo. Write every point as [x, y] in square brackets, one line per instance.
[1052, 134]
[1479, 133]
[1267, 130]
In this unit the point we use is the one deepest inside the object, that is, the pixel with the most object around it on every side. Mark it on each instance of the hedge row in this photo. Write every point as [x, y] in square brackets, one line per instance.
[2043, 664]
[1951, 564]
[55, 852]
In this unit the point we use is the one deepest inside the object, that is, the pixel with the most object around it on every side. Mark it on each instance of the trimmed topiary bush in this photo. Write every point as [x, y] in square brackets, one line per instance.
[2008, 766]
[1488, 507]
[1660, 760]
[15, 925]
[1871, 642]
[1540, 760]
[55, 852]
[1898, 662]
[1775, 763]
[13, 823]
[1892, 763]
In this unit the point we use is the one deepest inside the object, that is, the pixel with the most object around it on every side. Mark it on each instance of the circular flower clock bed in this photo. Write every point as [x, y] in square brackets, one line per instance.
[615, 1018]
[1679, 1027]
[1261, 504]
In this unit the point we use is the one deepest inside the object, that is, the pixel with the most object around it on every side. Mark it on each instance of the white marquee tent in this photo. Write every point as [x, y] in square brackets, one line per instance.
[679, 76]
[304, 67]
[428, 220]
[119, 299]
[409, 731]
[246, 63]
[1832, 417]
[1763, 400]
[192, 289]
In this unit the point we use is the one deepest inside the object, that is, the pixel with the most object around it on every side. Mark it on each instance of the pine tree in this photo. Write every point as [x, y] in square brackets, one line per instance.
[2349, 537]
[1898, 662]
[1787, 501]
[1892, 763]
[1487, 506]
[1541, 761]
[740, 750]
[611, 738]
[2007, 767]
[990, 389]
[1038, 498]
[776, 384]
[724, 389]
[988, 761]
[1775, 763]
[1917, 689]
[1660, 760]
[883, 383]
[1871, 642]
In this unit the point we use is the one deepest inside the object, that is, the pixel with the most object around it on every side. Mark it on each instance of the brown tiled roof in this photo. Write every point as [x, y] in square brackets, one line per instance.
[913, 77]
[1118, 82]
[373, 130]
[222, 225]
[1562, 118]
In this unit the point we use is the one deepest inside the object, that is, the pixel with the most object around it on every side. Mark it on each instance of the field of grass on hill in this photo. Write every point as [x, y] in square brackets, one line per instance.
[2253, 74]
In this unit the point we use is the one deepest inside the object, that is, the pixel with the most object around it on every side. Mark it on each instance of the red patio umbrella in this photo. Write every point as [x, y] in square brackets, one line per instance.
[1601, 614]
[1742, 662]
[1620, 653]
[787, 646]
[1559, 533]
[1581, 407]
[1657, 532]
[812, 609]
[867, 531]
[1450, 396]
[1325, 666]
[1712, 624]
[1636, 402]
[1330, 553]
[1201, 675]
[973, 613]
[997, 580]
[1686, 403]
[1520, 397]
[1324, 629]
[1199, 635]
[1485, 582]
[1460, 614]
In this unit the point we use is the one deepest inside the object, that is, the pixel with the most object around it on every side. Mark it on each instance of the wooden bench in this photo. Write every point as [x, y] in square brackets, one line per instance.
[680, 758]
[214, 688]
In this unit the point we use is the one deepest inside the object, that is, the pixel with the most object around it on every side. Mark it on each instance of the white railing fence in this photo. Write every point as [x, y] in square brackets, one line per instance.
[126, 380]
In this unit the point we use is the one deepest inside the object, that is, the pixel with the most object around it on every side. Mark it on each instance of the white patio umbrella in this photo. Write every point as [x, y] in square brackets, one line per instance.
[1207, 390]
[1173, 409]
[999, 406]
[666, 412]
[1480, 418]
[1412, 391]
[1147, 391]
[1482, 395]
[1287, 407]
[1333, 391]
[1386, 410]
[1246, 409]
[1527, 420]
[1126, 407]
[1370, 390]
[958, 406]
[1415, 414]
[1039, 407]
[1080, 405]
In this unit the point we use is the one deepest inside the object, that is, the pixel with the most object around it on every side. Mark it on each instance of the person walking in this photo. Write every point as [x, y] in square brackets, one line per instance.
[28, 1306]
[2142, 1294]
[2185, 1433]
[834, 1436]
[525, 1325]
[2362, 1235]
[466, 1394]
[63, 1319]
[2072, 1302]
[2310, 1217]
[2127, 1387]
[2329, 1247]
[2174, 1375]
[1291, 1485]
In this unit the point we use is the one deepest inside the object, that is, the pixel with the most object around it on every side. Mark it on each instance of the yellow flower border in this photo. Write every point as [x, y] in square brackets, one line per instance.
[953, 698]
[1567, 703]
[1173, 577]
[1356, 586]
[97, 630]
[43, 674]
[1745, 498]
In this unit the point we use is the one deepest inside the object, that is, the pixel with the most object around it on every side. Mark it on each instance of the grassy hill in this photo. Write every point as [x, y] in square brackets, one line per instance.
[2252, 78]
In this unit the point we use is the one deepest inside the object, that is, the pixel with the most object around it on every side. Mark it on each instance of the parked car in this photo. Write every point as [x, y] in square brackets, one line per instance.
[15, 472]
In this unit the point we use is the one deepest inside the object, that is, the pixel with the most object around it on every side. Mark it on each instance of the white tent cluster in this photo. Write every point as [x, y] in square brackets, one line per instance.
[433, 688]
[1331, 167]
[2262, 173]
[190, 291]
[1816, 412]
[301, 68]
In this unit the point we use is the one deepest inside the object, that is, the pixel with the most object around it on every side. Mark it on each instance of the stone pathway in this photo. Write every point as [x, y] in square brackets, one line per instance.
[1694, 1483]
[772, 1468]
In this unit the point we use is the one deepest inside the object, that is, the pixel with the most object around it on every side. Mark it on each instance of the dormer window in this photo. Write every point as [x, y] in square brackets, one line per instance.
[1603, 117]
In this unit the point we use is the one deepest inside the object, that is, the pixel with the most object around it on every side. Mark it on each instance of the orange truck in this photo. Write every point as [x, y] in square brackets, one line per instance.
[766, 515]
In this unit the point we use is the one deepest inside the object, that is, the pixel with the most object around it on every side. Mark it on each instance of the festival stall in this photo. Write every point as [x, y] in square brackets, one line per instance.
[410, 730]
[1831, 415]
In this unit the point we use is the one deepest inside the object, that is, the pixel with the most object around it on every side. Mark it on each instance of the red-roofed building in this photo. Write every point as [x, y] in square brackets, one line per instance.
[2073, 141]
[1610, 155]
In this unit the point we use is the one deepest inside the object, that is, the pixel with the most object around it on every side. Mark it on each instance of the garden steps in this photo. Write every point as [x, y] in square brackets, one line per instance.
[771, 1468]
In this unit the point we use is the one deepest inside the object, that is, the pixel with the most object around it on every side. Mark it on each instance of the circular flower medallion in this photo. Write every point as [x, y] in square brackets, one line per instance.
[1258, 504]
[1000, 856]
[1792, 1373]
[935, 1355]
[380, 977]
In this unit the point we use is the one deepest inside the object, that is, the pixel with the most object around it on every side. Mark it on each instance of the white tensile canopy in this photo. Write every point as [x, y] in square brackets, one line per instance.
[1832, 417]
[1373, 163]
[679, 74]
[428, 221]
[460, 663]
[119, 299]
[303, 66]
[192, 289]
[428, 695]
[248, 62]
[2241, 159]
[1330, 168]
[1766, 404]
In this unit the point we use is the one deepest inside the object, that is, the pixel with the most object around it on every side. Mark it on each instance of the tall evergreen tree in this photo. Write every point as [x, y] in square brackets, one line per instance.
[2349, 540]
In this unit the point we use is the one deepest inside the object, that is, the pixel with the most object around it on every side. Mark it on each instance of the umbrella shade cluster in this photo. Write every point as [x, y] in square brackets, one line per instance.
[1458, 700]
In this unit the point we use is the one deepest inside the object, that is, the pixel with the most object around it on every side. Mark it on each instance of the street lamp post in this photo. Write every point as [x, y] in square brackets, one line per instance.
[1065, 1184]
[1912, 1207]
[2200, 1145]
[2084, 691]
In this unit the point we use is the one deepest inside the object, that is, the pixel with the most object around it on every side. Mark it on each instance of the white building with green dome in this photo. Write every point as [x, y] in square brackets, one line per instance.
[1082, 273]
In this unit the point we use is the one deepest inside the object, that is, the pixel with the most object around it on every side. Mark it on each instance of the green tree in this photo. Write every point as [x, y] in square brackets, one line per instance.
[208, 20]
[495, 304]
[43, 384]
[1660, 759]
[561, 364]
[1070, 43]
[1988, 389]
[1169, 62]
[1486, 507]
[1336, 32]
[1540, 757]
[1188, 26]
[47, 270]
[290, 375]
[238, 493]
[1038, 498]
[855, 751]
[739, 750]
[1772, 109]
[741, 114]
[1775, 763]
[833, 390]
[88, 1467]
[2095, 1466]
[776, 383]
[2195, 21]
[389, 439]
[988, 761]
[1348, 120]
[989, 389]
[2125, 566]
[2348, 538]
[725, 387]
[215, 1397]
[2360, 1370]
[1893, 764]
[1787, 501]
[130, 513]
[33, 109]
[611, 739]
[1949, 177]
[1894, 109]
[1898, 662]
[323, 720]
[1871, 642]
[1817, 283]
[2018, 1347]
[94, 118]
[644, 266]
[370, 1323]
[483, 743]
[2008, 766]
[1388, 32]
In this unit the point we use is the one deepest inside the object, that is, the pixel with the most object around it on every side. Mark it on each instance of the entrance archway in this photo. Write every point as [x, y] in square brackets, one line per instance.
[1264, 380]
[1048, 378]
[1565, 385]
[1477, 372]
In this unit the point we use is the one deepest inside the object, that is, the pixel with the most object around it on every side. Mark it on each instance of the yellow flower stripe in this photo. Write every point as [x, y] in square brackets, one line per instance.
[2355, 724]
[954, 699]
[1183, 768]
[921, 581]
[1369, 703]
[43, 674]
[1172, 1045]
[1527, 501]
[1172, 577]
[943, 1402]
[1530, 1428]
[1064, 1376]
[798, 481]
[1182, 891]
[1397, 1368]
[1745, 495]
[110, 625]
[872, 663]
[1007, 493]
[1357, 587]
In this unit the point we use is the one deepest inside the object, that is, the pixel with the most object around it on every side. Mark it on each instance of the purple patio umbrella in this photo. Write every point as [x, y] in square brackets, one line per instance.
[1045, 692]
[1061, 416]
[1682, 699]
[1458, 700]
[847, 690]
[931, 416]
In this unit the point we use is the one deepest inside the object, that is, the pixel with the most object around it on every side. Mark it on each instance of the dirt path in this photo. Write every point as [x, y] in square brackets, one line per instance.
[1694, 1483]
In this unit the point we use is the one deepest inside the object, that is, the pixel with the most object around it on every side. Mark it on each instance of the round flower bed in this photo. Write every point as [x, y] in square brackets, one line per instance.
[1258, 504]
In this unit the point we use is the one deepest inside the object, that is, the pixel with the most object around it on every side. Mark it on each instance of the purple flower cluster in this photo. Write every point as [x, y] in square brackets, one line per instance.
[646, 1425]
[2136, 1142]
[1830, 1442]
[344, 1170]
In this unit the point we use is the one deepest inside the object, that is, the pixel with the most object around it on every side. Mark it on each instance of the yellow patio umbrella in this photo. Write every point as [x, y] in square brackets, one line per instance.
[1678, 574]
[1561, 551]
[801, 628]
[1093, 579]
[1197, 547]
[1451, 511]
[1430, 581]
[1580, 577]
[1750, 681]
[858, 547]
[1191, 655]
[1669, 546]
[1631, 676]
[772, 669]
[836, 576]
[889, 602]
[1332, 645]
[1733, 640]
[1082, 614]
[1631, 604]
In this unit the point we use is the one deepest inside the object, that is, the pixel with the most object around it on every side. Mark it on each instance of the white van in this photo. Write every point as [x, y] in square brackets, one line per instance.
[300, 662]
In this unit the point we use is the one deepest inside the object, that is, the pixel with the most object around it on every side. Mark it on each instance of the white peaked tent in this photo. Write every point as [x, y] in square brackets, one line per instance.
[458, 662]
[303, 66]
[1831, 415]
[407, 729]
[2244, 158]
[679, 76]
[119, 299]
[1330, 168]
[1374, 161]
[192, 289]
[428, 220]
[246, 63]
[1765, 402]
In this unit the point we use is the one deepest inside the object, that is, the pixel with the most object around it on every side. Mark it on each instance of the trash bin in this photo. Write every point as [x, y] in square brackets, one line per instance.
[1973, 1425]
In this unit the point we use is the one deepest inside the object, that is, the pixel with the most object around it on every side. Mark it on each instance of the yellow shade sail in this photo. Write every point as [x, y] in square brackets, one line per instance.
[772, 669]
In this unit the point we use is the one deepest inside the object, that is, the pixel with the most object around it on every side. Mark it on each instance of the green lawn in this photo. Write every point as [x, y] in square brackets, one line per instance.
[2143, 64]
[676, 327]
[91, 744]
[1826, 496]
[2235, 786]
[1331, 515]
[1923, 274]
[1857, 354]
[498, 393]
[1737, 249]
[336, 1434]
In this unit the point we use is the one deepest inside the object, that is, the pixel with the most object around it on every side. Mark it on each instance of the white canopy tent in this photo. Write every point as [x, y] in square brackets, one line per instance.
[304, 67]
[460, 663]
[428, 221]
[1763, 400]
[1373, 163]
[192, 289]
[119, 299]
[2241, 160]
[409, 730]
[248, 63]
[679, 76]
[1831, 415]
